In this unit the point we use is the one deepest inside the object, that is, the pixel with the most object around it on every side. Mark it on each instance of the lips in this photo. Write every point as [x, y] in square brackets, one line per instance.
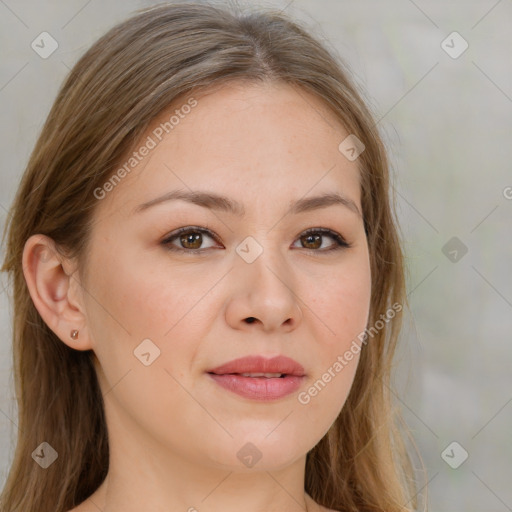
[258, 378]
[281, 365]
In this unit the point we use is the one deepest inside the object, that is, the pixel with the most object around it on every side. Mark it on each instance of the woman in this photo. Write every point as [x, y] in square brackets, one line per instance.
[207, 279]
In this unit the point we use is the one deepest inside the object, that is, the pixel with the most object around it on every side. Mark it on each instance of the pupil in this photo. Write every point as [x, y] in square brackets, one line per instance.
[192, 239]
[311, 239]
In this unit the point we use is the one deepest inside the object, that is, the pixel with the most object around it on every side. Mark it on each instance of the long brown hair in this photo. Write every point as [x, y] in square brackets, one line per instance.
[110, 97]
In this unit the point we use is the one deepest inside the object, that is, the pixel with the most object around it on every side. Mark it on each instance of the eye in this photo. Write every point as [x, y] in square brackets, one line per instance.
[191, 238]
[312, 240]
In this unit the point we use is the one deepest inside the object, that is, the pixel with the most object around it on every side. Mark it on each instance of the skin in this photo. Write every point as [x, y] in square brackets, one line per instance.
[174, 433]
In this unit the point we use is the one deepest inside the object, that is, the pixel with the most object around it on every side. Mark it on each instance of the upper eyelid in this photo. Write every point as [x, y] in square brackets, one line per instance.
[186, 229]
[209, 232]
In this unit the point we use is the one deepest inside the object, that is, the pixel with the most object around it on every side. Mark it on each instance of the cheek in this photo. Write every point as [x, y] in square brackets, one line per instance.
[143, 297]
[341, 305]
[150, 299]
[324, 397]
[340, 301]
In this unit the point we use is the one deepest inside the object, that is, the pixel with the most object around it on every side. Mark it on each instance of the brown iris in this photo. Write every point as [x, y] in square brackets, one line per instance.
[195, 239]
[312, 241]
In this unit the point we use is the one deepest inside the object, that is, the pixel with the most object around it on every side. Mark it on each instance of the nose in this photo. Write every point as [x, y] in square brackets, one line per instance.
[264, 296]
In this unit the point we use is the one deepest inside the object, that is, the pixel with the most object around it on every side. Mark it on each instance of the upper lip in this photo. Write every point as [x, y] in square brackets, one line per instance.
[260, 364]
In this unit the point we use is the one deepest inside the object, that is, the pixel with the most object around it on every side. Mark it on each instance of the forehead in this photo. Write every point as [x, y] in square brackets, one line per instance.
[253, 139]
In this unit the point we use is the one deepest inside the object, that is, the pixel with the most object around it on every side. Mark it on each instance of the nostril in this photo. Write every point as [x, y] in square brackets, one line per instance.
[250, 319]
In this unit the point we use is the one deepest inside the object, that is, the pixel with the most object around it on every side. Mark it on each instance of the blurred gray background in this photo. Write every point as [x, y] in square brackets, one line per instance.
[446, 116]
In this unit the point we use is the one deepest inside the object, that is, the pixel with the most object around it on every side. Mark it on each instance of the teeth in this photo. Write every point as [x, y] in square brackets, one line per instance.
[268, 375]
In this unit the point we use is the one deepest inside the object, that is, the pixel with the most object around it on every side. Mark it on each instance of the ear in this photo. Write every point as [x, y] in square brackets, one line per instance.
[55, 290]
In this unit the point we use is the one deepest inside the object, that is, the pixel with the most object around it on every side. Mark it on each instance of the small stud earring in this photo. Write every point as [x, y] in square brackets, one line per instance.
[74, 334]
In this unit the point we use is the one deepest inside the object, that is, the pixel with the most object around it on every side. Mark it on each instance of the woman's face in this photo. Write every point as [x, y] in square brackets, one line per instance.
[164, 309]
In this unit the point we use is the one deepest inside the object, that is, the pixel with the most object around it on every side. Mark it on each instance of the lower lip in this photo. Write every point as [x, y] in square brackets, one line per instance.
[258, 388]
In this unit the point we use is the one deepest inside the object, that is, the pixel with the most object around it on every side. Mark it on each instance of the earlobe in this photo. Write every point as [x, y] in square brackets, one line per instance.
[51, 289]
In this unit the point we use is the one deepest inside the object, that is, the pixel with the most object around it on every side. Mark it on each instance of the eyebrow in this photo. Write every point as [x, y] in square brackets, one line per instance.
[218, 202]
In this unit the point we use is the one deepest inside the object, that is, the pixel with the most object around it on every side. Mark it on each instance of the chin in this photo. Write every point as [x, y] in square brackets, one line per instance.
[259, 451]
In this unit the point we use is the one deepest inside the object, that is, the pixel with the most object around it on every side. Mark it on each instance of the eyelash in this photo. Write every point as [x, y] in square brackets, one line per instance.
[340, 242]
